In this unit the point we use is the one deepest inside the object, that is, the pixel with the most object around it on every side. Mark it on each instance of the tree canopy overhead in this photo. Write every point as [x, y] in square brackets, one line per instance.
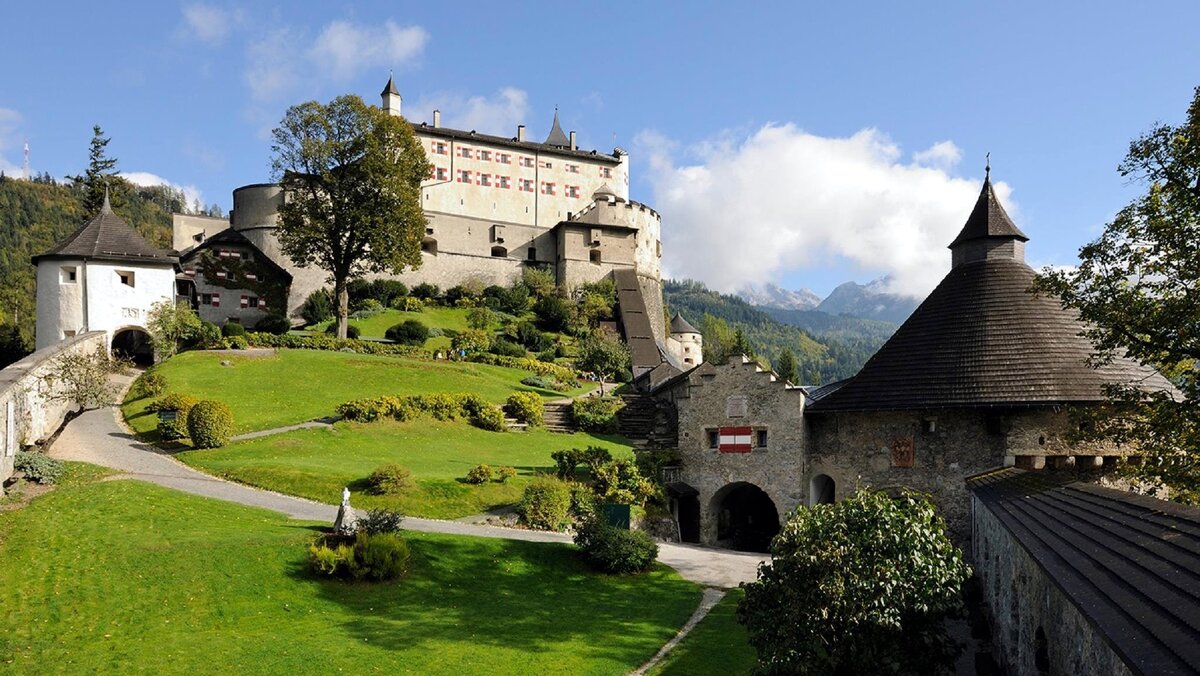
[1138, 288]
[352, 177]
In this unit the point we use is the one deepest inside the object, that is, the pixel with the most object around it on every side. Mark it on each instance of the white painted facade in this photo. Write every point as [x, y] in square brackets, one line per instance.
[75, 296]
[687, 347]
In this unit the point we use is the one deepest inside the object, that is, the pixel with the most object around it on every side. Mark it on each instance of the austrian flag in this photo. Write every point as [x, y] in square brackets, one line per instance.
[734, 440]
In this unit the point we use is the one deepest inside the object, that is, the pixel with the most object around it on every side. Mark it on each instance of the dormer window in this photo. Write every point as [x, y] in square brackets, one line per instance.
[126, 277]
[68, 274]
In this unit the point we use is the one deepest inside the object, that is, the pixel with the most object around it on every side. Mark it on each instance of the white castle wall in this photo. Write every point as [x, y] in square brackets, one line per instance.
[109, 305]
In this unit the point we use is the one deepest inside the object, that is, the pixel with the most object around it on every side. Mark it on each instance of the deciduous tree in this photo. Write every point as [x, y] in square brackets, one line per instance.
[1138, 288]
[603, 354]
[170, 323]
[352, 175]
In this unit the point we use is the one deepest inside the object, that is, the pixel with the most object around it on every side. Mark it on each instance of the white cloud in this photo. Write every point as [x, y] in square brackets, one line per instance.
[271, 64]
[498, 114]
[145, 178]
[943, 155]
[754, 207]
[10, 121]
[209, 24]
[343, 49]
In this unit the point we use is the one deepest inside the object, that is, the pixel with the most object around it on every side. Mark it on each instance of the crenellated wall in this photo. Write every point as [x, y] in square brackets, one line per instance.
[28, 413]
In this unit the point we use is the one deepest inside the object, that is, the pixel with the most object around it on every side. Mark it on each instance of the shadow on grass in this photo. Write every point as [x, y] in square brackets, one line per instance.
[531, 596]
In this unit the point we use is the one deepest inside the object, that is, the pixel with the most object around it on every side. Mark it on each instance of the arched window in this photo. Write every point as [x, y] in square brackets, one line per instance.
[822, 490]
[429, 246]
[594, 255]
[499, 252]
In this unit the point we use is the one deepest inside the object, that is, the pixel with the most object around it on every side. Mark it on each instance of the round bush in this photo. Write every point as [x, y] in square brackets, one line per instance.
[208, 335]
[233, 329]
[546, 504]
[408, 332]
[470, 341]
[210, 424]
[389, 479]
[152, 384]
[273, 324]
[170, 430]
[490, 418]
[506, 348]
[352, 331]
[526, 407]
[615, 550]
[479, 474]
[426, 291]
[503, 474]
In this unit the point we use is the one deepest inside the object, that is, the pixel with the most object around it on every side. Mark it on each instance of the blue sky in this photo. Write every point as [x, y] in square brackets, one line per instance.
[801, 144]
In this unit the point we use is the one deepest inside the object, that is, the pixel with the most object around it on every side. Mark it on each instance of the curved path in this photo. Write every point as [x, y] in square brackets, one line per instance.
[99, 437]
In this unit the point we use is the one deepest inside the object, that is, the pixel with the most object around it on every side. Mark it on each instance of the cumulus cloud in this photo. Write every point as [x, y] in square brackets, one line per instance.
[943, 155]
[497, 114]
[343, 49]
[208, 23]
[747, 209]
[145, 178]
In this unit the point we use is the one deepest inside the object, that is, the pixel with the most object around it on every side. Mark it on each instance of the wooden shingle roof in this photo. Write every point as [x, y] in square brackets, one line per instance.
[107, 237]
[988, 219]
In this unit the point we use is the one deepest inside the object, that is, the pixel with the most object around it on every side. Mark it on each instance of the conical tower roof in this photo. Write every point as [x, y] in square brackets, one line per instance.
[988, 219]
[681, 325]
[390, 88]
[107, 237]
[557, 137]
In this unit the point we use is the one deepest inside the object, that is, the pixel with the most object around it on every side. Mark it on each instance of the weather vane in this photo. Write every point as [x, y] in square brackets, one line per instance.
[987, 169]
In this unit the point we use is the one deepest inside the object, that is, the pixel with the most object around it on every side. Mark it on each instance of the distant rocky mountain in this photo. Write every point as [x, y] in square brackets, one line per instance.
[772, 296]
[868, 301]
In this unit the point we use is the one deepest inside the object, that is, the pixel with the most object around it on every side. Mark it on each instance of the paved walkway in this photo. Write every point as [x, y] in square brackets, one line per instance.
[100, 438]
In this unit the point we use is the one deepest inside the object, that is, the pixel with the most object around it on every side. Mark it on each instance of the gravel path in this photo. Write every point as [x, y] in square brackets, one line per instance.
[99, 437]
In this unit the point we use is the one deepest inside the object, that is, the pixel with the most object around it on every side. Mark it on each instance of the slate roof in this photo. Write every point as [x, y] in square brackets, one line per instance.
[231, 236]
[681, 325]
[988, 219]
[980, 339]
[635, 321]
[107, 237]
[1129, 563]
[557, 137]
[390, 88]
[529, 146]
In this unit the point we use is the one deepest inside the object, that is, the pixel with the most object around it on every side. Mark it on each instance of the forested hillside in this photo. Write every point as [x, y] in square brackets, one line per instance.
[834, 353]
[34, 215]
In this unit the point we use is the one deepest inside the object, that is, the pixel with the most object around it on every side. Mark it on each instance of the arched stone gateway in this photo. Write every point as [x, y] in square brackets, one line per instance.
[822, 490]
[747, 518]
[133, 343]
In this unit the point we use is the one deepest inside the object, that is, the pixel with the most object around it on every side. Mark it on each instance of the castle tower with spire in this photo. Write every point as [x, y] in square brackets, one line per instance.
[391, 99]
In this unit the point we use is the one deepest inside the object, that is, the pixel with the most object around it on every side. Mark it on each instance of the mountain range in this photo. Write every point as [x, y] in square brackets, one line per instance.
[861, 301]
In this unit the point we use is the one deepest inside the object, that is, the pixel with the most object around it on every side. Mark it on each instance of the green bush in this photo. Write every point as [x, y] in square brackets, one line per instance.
[491, 419]
[408, 332]
[525, 364]
[546, 504]
[233, 329]
[471, 341]
[526, 407]
[506, 348]
[318, 307]
[595, 457]
[378, 557]
[615, 550]
[553, 313]
[379, 521]
[208, 336]
[546, 383]
[479, 474]
[566, 461]
[352, 331]
[326, 341]
[596, 414]
[367, 307]
[234, 343]
[170, 430]
[530, 336]
[540, 282]
[480, 318]
[210, 424]
[619, 481]
[503, 474]
[426, 291]
[38, 466]
[152, 384]
[389, 479]
[274, 324]
[583, 502]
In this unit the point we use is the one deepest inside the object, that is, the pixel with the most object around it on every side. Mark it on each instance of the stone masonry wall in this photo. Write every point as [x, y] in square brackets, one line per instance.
[1020, 599]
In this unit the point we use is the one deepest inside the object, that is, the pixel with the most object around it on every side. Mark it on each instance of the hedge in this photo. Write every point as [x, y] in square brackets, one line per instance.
[210, 424]
[438, 406]
[525, 364]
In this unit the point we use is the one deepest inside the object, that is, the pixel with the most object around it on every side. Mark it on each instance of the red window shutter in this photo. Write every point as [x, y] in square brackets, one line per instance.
[216, 300]
[245, 301]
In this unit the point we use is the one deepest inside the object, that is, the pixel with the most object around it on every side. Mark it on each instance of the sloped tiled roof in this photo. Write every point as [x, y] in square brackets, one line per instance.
[635, 321]
[390, 88]
[980, 339]
[1129, 563]
[988, 219]
[231, 236]
[681, 325]
[107, 237]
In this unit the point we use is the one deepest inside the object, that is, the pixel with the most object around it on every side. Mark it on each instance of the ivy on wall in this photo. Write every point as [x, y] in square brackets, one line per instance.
[268, 284]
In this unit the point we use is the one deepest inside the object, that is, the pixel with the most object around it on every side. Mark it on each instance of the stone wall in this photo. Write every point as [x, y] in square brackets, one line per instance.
[25, 407]
[739, 394]
[1021, 599]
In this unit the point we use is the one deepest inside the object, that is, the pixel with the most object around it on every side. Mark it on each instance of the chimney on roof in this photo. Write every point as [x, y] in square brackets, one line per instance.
[572, 140]
[437, 119]
[520, 132]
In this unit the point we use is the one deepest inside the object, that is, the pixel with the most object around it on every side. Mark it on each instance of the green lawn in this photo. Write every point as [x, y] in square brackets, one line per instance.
[716, 646]
[317, 463]
[298, 385]
[126, 577]
[454, 318]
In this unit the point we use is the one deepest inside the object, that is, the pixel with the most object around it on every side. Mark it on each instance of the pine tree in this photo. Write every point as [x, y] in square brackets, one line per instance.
[101, 173]
[785, 366]
[741, 346]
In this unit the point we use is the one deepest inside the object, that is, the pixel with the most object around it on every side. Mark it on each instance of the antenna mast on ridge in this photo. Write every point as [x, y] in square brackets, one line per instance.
[26, 167]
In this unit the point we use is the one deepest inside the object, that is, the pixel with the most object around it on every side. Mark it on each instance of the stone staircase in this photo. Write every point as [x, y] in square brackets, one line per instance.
[646, 423]
[558, 417]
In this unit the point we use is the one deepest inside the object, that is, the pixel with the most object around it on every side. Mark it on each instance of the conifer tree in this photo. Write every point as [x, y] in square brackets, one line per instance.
[785, 366]
[101, 173]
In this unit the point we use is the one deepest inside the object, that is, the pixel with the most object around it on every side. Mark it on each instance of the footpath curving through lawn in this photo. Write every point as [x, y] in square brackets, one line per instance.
[316, 463]
[123, 576]
[717, 645]
[292, 386]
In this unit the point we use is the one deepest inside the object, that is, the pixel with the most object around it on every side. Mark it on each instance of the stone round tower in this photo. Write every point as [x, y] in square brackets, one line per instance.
[685, 343]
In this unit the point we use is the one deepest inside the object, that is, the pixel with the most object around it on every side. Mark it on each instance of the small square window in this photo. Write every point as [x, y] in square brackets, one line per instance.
[253, 301]
[126, 277]
[761, 438]
[206, 299]
[68, 274]
[714, 438]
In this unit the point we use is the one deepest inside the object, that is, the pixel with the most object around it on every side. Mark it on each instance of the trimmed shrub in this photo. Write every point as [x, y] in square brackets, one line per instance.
[546, 383]
[479, 474]
[170, 430]
[367, 307]
[408, 332]
[38, 466]
[546, 504]
[426, 291]
[389, 479]
[318, 307]
[503, 474]
[378, 557]
[596, 414]
[614, 550]
[233, 329]
[529, 335]
[439, 406]
[526, 407]
[506, 348]
[234, 343]
[352, 331]
[210, 424]
[152, 384]
[525, 364]
[491, 419]
[273, 324]
[378, 521]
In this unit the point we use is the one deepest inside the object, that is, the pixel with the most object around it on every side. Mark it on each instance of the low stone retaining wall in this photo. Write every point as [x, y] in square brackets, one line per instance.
[26, 410]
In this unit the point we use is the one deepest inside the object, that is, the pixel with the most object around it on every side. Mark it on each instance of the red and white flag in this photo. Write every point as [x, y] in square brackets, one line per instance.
[734, 440]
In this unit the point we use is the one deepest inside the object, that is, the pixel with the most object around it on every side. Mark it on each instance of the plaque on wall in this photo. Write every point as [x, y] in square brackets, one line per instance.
[903, 452]
[735, 406]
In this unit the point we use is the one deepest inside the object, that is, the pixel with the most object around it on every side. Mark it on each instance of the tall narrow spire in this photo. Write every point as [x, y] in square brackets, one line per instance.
[390, 97]
[988, 232]
[106, 208]
[557, 137]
